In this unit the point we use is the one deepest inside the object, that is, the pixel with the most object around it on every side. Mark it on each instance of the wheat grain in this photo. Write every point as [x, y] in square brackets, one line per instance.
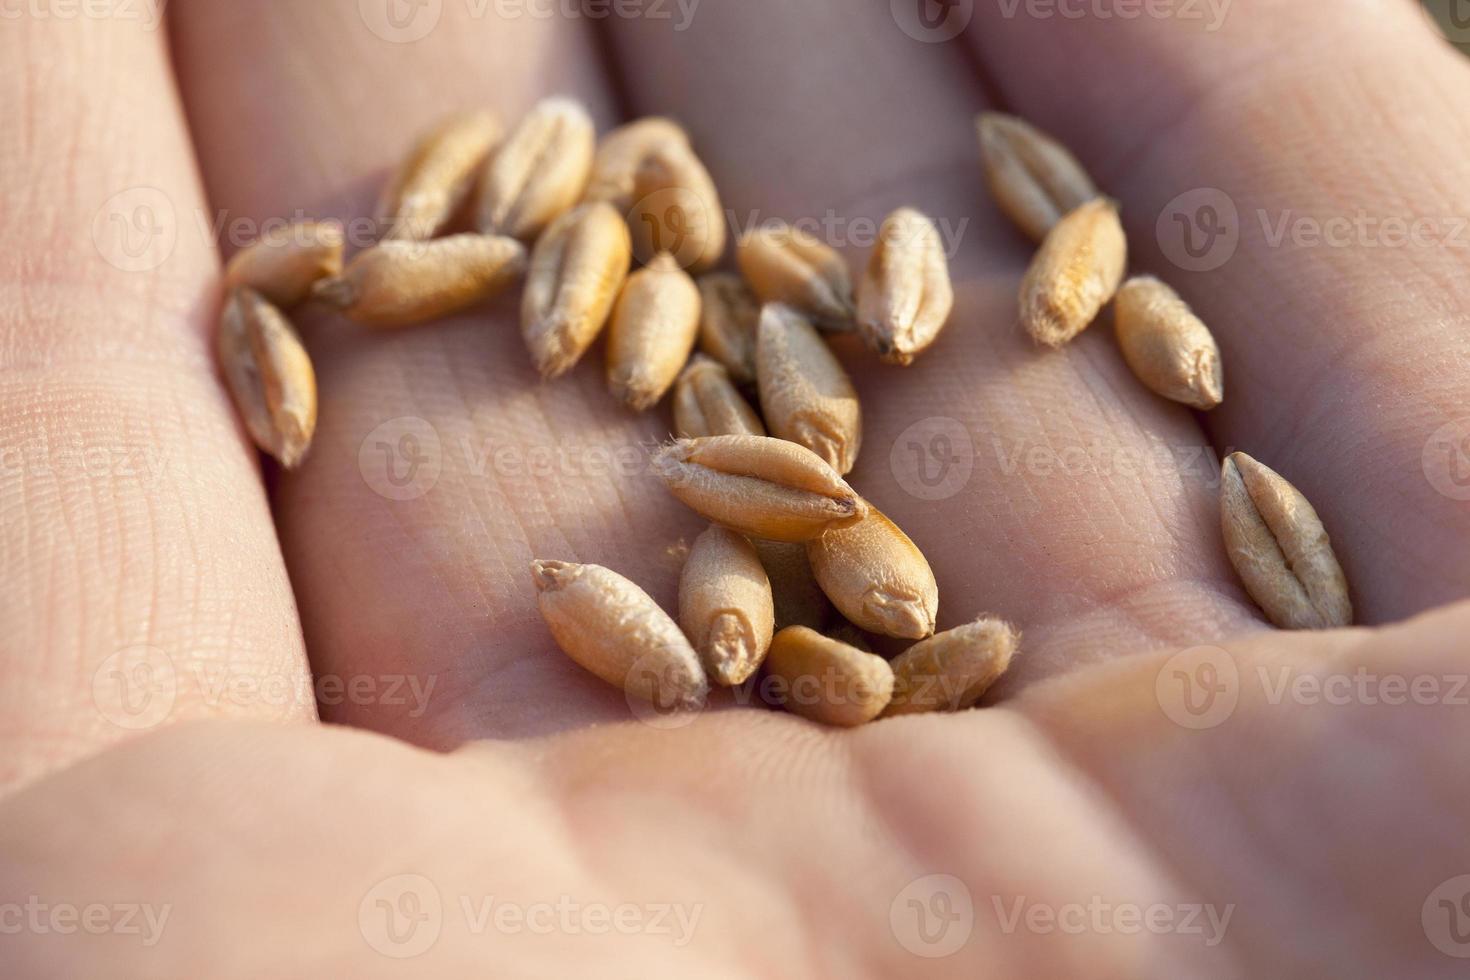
[764, 487]
[284, 263]
[676, 209]
[1035, 180]
[706, 403]
[269, 374]
[622, 152]
[539, 172]
[806, 396]
[906, 297]
[785, 265]
[437, 177]
[950, 671]
[800, 601]
[577, 270]
[1278, 546]
[1169, 348]
[1076, 272]
[614, 629]
[827, 680]
[876, 576]
[727, 323]
[401, 283]
[725, 605]
[653, 329]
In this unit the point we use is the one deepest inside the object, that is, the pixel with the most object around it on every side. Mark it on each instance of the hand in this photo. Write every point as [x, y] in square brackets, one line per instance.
[801, 850]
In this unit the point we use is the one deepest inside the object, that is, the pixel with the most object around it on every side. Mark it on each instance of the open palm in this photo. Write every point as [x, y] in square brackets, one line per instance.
[1165, 786]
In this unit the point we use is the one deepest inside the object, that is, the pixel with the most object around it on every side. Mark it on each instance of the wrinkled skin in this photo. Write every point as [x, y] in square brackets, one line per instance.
[135, 520]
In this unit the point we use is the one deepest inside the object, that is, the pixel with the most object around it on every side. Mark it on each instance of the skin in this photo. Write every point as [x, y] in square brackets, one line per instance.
[1325, 823]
